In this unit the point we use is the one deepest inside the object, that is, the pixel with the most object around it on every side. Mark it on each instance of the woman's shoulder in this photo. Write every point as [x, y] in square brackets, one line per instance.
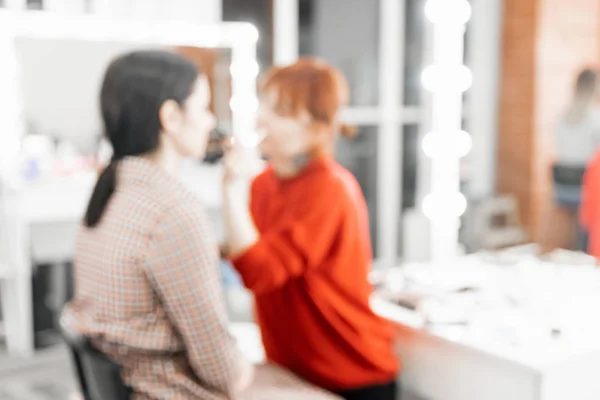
[153, 208]
[184, 204]
[183, 223]
[334, 185]
[159, 200]
[340, 178]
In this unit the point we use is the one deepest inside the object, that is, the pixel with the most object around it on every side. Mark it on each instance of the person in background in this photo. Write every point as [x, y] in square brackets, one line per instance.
[147, 281]
[298, 235]
[589, 214]
[577, 137]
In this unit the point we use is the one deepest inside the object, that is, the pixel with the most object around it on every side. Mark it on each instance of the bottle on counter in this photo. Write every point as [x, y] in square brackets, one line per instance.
[37, 156]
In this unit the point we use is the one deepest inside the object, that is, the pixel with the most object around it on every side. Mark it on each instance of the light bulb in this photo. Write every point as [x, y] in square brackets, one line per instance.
[243, 104]
[448, 11]
[245, 70]
[253, 33]
[440, 78]
[248, 33]
[447, 144]
[444, 205]
[252, 139]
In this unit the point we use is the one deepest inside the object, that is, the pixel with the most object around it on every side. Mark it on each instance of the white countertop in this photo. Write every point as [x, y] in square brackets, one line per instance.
[535, 355]
[518, 338]
[64, 199]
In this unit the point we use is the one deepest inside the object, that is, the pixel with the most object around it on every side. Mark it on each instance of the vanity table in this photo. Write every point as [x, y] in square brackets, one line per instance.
[489, 359]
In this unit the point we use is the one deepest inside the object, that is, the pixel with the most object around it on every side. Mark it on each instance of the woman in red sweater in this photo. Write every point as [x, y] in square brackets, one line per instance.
[298, 236]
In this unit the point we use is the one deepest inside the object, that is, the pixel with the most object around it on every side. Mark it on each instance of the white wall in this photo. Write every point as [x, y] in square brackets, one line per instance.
[198, 11]
[61, 81]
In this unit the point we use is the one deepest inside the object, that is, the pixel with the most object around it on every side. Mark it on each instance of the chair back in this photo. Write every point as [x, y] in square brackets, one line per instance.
[99, 377]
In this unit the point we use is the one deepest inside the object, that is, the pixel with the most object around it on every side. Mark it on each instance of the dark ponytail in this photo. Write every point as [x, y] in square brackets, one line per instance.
[135, 87]
[105, 187]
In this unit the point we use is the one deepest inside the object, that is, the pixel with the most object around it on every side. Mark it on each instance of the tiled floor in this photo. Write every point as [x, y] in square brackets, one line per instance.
[46, 376]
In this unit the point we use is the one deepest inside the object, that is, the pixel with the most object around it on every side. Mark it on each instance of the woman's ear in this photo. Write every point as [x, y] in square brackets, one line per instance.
[171, 117]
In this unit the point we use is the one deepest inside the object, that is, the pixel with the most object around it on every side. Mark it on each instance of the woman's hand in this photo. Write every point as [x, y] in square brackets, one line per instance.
[232, 161]
[238, 163]
[238, 170]
[236, 175]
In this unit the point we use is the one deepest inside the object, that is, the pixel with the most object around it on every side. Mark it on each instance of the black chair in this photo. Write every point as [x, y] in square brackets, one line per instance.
[99, 378]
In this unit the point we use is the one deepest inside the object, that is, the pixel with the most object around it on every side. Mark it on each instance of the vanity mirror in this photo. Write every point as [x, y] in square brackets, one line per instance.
[53, 105]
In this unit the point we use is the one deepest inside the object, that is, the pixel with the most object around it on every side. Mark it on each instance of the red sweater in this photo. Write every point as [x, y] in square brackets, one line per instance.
[309, 276]
[589, 211]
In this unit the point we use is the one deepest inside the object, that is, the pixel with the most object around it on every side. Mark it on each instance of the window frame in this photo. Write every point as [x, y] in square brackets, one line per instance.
[389, 115]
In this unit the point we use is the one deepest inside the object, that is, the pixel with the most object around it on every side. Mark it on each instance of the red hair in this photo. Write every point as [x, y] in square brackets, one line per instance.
[310, 88]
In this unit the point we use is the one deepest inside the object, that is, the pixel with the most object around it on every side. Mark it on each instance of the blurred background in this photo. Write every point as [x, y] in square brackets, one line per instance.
[524, 56]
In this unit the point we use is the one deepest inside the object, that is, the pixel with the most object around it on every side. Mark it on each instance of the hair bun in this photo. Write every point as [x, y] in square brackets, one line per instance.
[348, 131]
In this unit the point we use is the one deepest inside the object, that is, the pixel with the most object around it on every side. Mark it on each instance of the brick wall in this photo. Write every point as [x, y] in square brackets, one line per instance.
[517, 104]
[545, 44]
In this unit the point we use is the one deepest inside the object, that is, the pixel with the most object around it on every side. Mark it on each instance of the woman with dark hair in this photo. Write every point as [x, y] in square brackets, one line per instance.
[298, 234]
[147, 281]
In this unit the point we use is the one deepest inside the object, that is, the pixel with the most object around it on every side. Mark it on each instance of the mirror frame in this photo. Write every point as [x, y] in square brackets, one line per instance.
[240, 37]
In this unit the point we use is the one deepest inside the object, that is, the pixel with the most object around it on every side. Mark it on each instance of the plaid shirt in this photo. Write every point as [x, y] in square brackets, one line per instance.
[147, 289]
